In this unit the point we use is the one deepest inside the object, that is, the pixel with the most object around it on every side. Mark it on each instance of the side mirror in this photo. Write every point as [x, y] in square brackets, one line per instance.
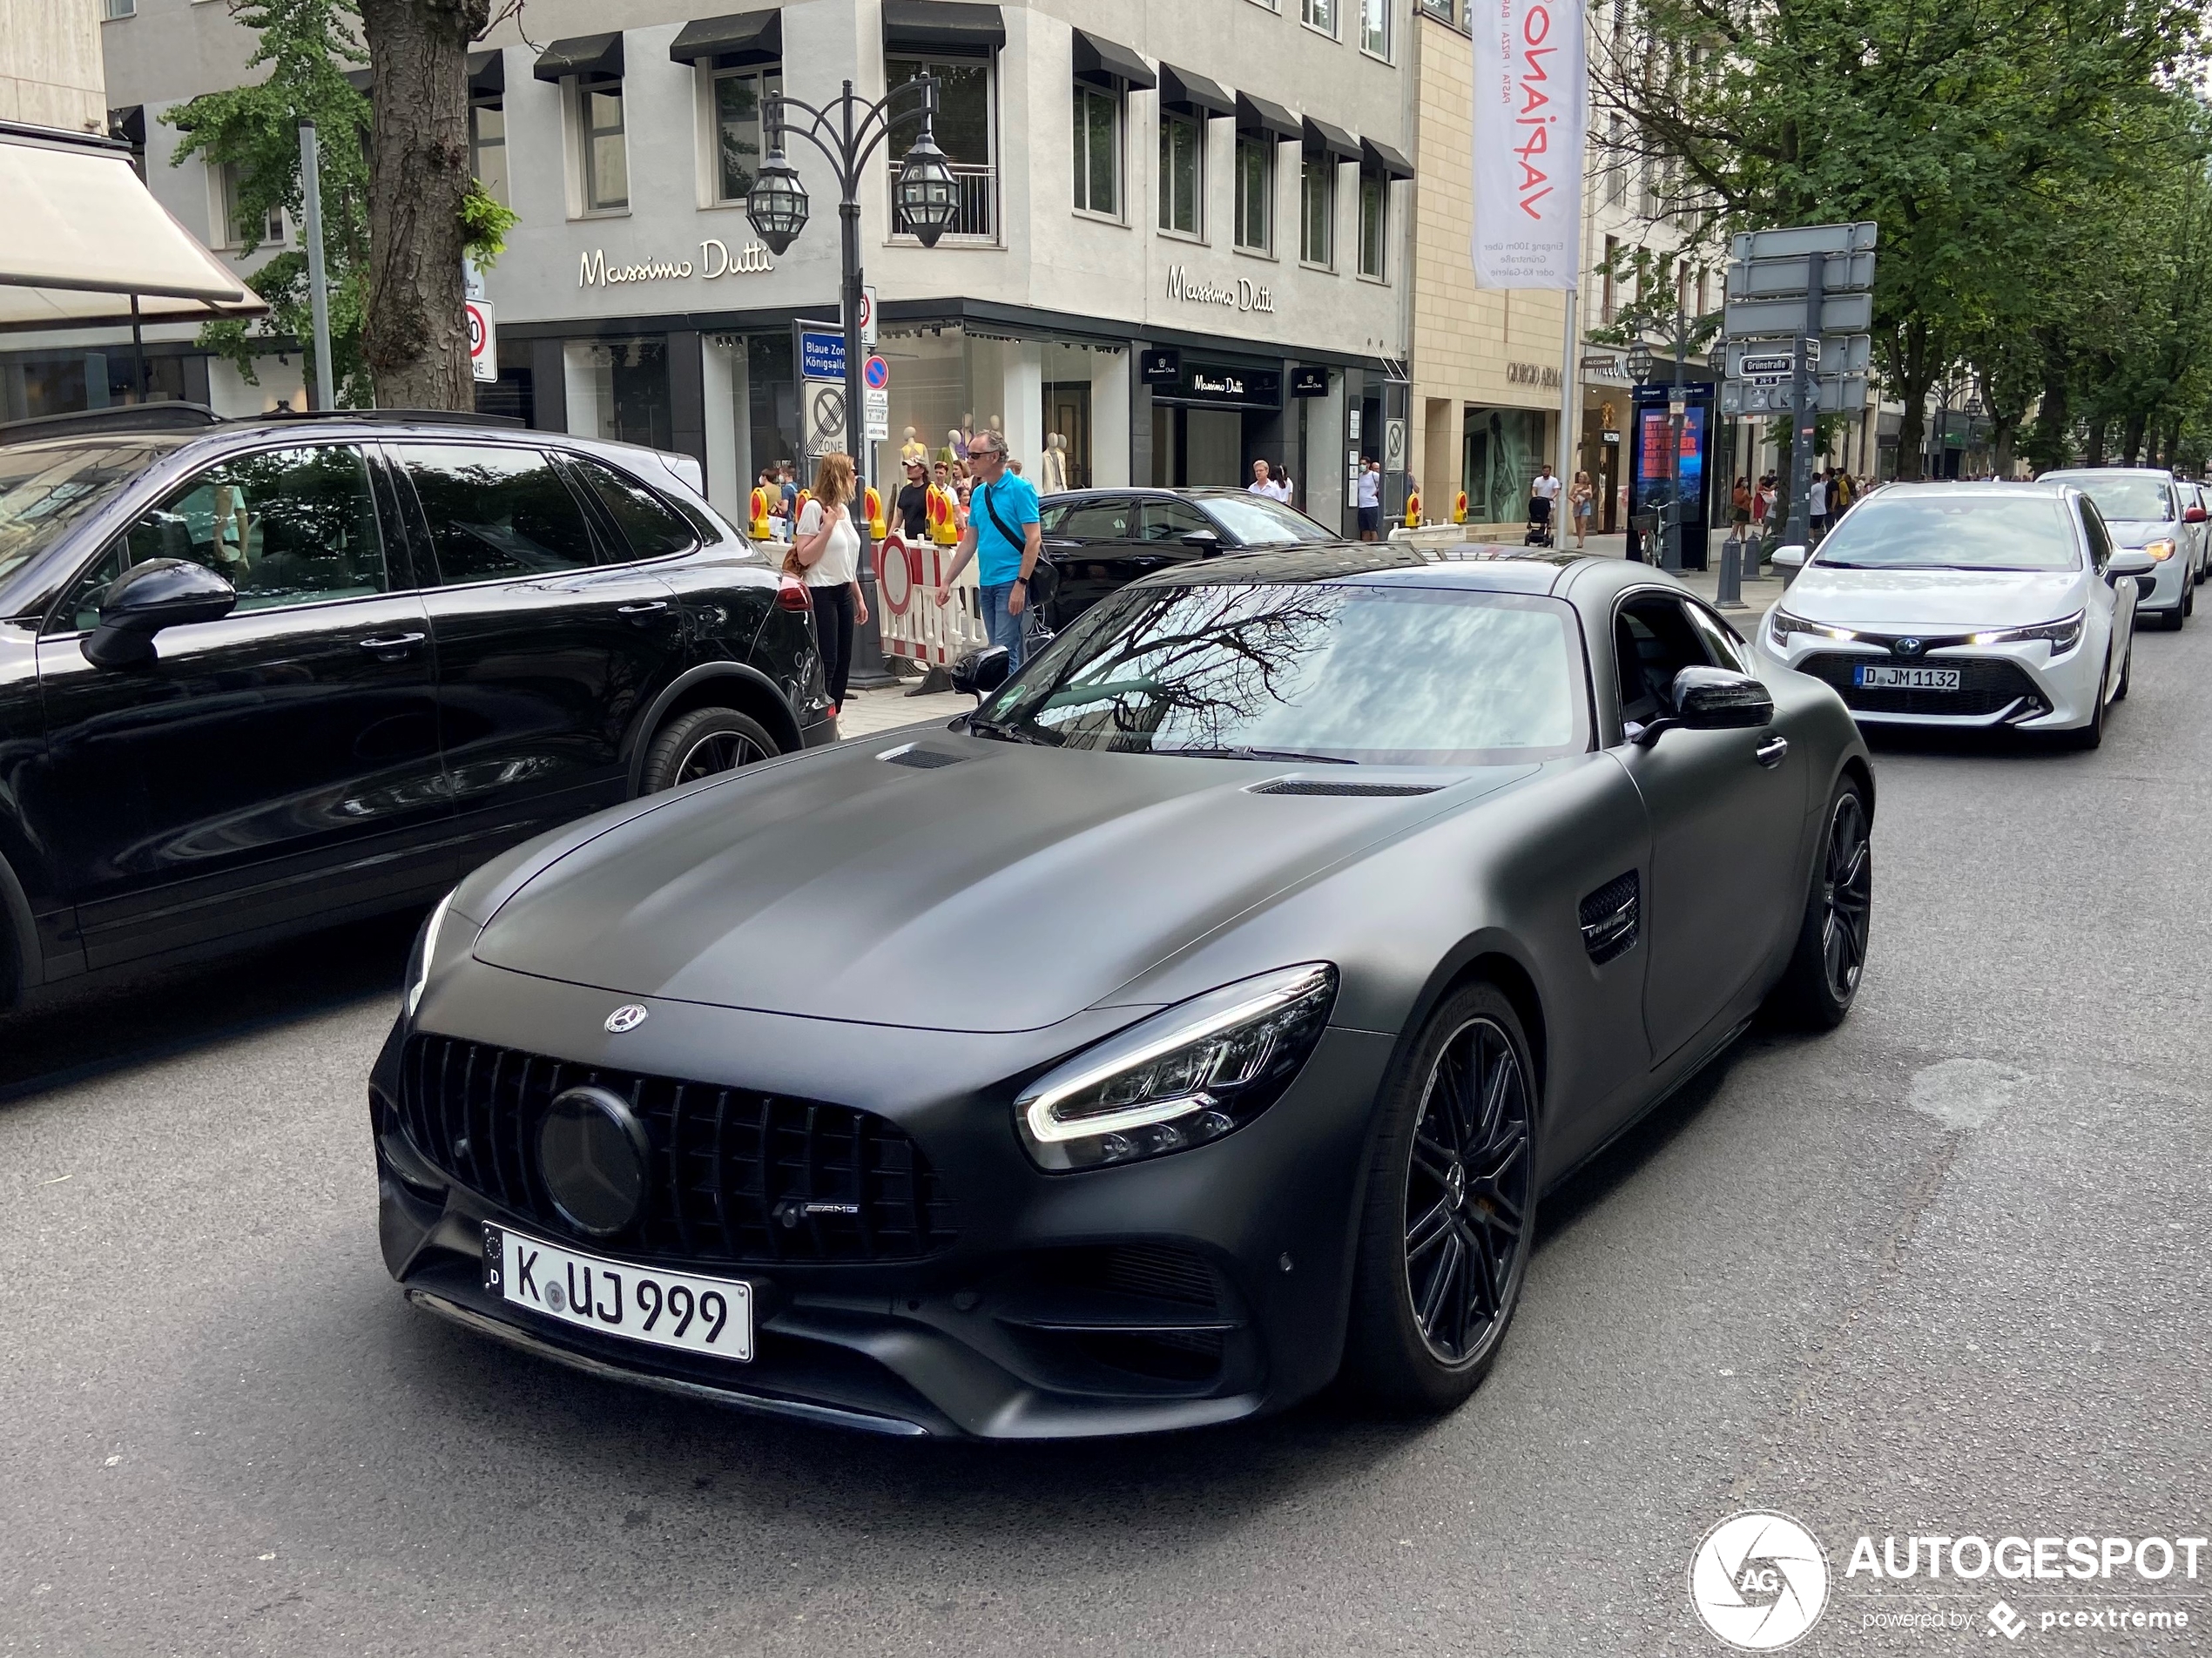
[2193, 516]
[981, 672]
[1791, 557]
[2131, 561]
[1710, 699]
[1203, 542]
[160, 593]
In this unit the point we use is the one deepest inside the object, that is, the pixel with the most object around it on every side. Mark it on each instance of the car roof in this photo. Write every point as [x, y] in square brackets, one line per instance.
[1472, 567]
[1182, 492]
[2105, 472]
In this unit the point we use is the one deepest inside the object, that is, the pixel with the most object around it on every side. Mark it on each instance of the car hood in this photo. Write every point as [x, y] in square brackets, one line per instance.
[1933, 599]
[2135, 532]
[1005, 892]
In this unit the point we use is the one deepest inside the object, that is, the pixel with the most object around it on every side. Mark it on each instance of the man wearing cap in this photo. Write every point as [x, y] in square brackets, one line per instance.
[913, 504]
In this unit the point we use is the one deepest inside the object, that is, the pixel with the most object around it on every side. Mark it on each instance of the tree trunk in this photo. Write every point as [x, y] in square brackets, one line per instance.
[2093, 453]
[2131, 437]
[416, 335]
[2051, 443]
[2001, 451]
[1916, 376]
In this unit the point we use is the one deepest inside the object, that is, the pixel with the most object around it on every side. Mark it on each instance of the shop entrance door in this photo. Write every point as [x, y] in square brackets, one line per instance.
[1066, 411]
[1215, 445]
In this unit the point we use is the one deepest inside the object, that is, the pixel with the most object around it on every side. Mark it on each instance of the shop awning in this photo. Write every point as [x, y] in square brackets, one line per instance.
[580, 55]
[943, 26]
[1104, 64]
[1380, 157]
[85, 233]
[1324, 139]
[1194, 94]
[487, 75]
[1257, 115]
[730, 42]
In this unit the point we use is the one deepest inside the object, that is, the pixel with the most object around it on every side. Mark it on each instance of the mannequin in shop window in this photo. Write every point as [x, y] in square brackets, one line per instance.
[911, 450]
[1052, 476]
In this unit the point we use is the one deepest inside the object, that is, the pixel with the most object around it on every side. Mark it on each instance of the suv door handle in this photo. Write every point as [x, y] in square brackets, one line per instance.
[649, 607]
[1770, 753]
[392, 644]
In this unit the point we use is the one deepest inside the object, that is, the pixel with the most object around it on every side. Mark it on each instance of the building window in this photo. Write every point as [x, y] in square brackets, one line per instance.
[239, 229]
[1319, 14]
[1616, 163]
[965, 130]
[1374, 222]
[606, 147]
[1608, 298]
[1098, 151]
[111, 11]
[1374, 28]
[1440, 10]
[1317, 215]
[741, 99]
[487, 148]
[1183, 174]
[1256, 192]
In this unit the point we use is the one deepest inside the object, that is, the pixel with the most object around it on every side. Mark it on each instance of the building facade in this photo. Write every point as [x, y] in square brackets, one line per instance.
[1180, 242]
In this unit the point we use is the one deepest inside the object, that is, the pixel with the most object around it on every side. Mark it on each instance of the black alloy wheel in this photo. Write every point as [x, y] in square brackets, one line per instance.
[1822, 980]
[1450, 1213]
[1466, 1191]
[702, 744]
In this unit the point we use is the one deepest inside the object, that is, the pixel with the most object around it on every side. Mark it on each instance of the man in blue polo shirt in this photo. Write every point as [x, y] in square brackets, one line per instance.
[1003, 539]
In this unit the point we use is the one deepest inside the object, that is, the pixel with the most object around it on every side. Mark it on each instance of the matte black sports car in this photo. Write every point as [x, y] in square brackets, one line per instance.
[1097, 541]
[1204, 1016]
[262, 675]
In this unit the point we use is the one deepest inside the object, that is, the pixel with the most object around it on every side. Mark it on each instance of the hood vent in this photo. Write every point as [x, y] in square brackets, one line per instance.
[1330, 786]
[922, 759]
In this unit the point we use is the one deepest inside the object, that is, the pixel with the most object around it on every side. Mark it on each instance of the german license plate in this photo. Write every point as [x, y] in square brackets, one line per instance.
[661, 1309]
[1885, 676]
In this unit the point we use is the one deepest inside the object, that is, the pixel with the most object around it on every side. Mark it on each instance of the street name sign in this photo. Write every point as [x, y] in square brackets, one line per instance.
[1773, 278]
[1780, 318]
[822, 356]
[1837, 394]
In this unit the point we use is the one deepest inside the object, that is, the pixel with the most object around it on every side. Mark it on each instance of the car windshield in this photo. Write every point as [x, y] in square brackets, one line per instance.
[2140, 496]
[1257, 521]
[1380, 674]
[46, 488]
[1897, 530]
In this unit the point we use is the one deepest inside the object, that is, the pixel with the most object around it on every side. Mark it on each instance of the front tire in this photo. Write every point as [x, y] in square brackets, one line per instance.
[701, 743]
[1450, 1210]
[1822, 981]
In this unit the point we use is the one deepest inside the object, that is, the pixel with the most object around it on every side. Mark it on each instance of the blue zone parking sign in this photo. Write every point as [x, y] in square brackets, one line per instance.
[822, 356]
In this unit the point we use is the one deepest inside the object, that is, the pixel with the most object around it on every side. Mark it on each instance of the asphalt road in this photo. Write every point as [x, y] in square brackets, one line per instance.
[1944, 1271]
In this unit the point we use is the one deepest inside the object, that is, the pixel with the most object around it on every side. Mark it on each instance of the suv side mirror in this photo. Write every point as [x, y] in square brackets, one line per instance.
[981, 672]
[1203, 542]
[1711, 699]
[160, 593]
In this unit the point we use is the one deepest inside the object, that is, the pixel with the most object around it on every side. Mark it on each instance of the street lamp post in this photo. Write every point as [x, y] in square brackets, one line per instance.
[848, 131]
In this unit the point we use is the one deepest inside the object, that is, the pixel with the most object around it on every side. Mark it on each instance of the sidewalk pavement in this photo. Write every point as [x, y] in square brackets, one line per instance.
[867, 713]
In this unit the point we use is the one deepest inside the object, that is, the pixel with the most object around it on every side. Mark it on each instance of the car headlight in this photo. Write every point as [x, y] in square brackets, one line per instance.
[425, 952]
[1182, 1078]
[2161, 550]
[1781, 624]
[2063, 635]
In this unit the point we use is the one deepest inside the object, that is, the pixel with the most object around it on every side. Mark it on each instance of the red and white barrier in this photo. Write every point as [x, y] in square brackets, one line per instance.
[914, 624]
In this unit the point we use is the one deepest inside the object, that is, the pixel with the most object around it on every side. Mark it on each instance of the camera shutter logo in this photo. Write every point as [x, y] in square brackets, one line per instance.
[1760, 1582]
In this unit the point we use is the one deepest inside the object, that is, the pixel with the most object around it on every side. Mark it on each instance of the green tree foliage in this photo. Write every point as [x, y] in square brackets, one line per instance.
[1979, 134]
[307, 44]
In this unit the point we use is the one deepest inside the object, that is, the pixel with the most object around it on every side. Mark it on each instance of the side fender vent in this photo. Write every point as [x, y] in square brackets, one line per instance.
[1329, 785]
[1609, 918]
[922, 759]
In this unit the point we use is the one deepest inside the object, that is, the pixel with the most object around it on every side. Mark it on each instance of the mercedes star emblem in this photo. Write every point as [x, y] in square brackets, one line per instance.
[628, 1016]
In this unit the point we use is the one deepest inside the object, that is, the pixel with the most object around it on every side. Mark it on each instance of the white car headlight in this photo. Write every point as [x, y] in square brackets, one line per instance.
[426, 952]
[2161, 550]
[1185, 1077]
[2063, 635]
[1781, 624]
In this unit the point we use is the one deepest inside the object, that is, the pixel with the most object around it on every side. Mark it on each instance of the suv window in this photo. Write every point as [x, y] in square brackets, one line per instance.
[497, 514]
[1654, 642]
[1090, 520]
[1173, 520]
[647, 522]
[285, 526]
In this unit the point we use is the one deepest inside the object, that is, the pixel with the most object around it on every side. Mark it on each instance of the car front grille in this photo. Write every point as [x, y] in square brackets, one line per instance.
[1986, 685]
[737, 1175]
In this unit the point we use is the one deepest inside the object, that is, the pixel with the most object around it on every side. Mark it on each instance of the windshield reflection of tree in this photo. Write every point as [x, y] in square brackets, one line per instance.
[1200, 663]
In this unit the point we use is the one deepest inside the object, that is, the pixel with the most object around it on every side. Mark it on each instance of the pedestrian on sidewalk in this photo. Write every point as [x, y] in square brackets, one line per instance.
[1543, 490]
[1581, 501]
[1004, 539]
[1739, 512]
[828, 552]
[1817, 505]
[1369, 499]
[913, 504]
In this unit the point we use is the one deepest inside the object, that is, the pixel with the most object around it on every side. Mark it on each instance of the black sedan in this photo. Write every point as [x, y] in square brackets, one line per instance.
[1096, 541]
[259, 676]
[1202, 1018]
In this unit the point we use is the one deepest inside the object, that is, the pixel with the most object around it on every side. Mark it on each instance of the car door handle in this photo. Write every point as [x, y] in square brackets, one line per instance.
[649, 607]
[1770, 752]
[392, 644]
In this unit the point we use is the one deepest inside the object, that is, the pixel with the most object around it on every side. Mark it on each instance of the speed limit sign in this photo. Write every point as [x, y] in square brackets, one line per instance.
[484, 345]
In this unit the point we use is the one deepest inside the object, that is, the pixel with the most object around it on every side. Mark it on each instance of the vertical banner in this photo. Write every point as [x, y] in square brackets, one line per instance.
[1531, 117]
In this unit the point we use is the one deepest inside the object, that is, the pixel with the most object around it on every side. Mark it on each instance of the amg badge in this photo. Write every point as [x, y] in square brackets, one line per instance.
[628, 1016]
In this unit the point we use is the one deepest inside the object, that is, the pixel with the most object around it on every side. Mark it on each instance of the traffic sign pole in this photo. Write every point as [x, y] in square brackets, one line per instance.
[1806, 412]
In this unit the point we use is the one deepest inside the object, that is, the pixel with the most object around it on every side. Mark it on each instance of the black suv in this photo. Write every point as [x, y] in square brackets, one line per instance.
[1097, 541]
[258, 676]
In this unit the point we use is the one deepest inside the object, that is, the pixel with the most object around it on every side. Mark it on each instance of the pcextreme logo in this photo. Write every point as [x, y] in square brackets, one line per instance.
[1760, 1582]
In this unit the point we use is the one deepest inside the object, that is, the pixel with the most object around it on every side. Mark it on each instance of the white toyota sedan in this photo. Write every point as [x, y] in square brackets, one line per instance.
[1974, 605]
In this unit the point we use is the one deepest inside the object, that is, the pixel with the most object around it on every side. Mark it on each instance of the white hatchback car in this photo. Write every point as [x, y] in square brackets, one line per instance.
[1971, 605]
[2147, 507]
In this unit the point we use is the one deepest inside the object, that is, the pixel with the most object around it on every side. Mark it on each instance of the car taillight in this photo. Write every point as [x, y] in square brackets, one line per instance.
[791, 594]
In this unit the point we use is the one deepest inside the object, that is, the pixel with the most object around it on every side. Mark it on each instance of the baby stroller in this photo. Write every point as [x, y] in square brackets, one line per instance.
[1540, 523]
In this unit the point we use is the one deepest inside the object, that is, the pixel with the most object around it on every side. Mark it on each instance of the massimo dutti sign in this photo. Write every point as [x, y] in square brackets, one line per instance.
[1243, 294]
[715, 259]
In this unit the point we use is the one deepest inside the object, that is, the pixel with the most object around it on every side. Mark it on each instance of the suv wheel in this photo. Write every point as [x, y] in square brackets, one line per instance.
[702, 743]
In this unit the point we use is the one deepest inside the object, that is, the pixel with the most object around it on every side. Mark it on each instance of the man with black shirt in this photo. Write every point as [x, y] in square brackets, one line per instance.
[912, 505]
